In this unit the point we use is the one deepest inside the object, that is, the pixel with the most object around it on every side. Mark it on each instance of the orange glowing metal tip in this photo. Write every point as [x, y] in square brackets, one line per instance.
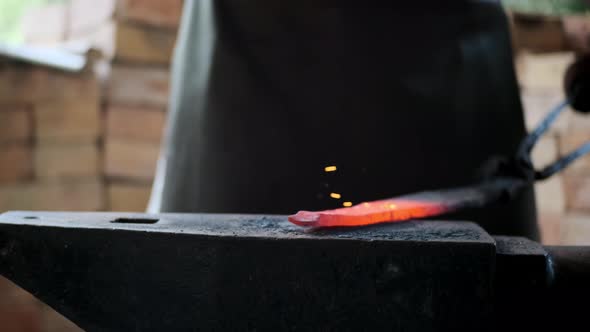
[388, 210]
[418, 205]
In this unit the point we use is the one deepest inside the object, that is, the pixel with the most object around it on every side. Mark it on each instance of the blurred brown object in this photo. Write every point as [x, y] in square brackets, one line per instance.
[537, 34]
[568, 142]
[152, 12]
[130, 160]
[75, 194]
[577, 191]
[142, 44]
[138, 86]
[577, 32]
[543, 34]
[135, 123]
[550, 226]
[576, 229]
[128, 196]
[16, 124]
[63, 161]
[15, 163]
[19, 311]
[20, 319]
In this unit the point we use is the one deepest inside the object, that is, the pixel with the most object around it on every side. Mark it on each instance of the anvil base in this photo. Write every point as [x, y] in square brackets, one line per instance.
[172, 272]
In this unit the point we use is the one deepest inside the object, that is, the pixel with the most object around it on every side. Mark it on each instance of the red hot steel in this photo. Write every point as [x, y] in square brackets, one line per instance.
[419, 205]
[387, 210]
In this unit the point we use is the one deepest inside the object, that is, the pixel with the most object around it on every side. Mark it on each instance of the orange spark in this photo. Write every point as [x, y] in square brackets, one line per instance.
[330, 169]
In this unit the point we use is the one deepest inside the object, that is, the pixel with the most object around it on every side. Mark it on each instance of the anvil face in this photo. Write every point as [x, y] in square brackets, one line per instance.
[246, 272]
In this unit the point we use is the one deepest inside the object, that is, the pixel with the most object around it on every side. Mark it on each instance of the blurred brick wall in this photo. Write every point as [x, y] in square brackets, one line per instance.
[540, 78]
[136, 98]
[84, 141]
[49, 134]
[545, 47]
[87, 141]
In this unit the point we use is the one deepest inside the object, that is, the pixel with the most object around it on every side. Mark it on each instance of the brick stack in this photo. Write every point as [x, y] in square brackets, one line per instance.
[137, 38]
[136, 98]
[543, 57]
[88, 141]
[541, 79]
[49, 133]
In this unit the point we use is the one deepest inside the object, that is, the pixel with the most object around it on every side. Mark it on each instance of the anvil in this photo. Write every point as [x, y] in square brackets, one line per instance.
[172, 272]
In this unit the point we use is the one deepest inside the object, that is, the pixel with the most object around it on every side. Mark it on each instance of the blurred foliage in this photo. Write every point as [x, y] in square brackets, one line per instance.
[11, 12]
[548, 7]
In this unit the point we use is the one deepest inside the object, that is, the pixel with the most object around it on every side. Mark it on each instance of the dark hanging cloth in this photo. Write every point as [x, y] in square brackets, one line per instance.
[400, 98]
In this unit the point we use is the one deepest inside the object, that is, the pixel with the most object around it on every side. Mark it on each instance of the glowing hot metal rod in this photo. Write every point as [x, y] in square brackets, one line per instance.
[419, 205]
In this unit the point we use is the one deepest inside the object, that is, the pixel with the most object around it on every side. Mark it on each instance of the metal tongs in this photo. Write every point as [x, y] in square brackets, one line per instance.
[524, 151]
[520, 170]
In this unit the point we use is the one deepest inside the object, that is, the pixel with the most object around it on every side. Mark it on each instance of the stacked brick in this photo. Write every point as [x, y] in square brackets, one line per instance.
[136, 38]
[545, 49]
[88, 141]
[541, 79]
[136, 98]
[49, 134]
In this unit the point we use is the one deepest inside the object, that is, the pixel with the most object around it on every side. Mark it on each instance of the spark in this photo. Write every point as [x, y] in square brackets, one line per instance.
[347, 204]
[335, 195]
[392, 206]
[330, 169]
